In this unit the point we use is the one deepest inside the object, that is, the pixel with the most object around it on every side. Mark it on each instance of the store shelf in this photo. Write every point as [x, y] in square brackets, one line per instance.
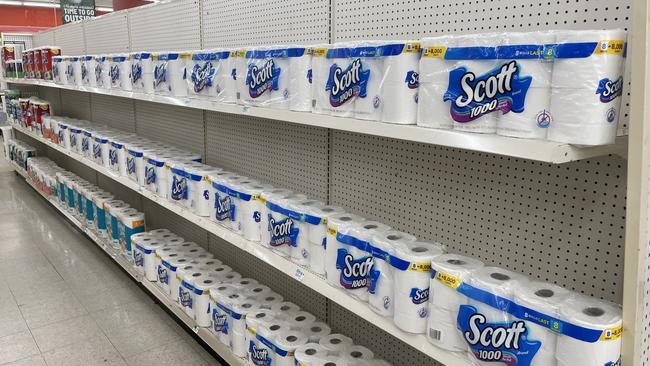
[539, 150]
[203, 333]
[299, 273]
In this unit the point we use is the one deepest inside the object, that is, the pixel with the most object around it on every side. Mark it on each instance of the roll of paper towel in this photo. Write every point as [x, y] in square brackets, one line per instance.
[382, 283]
[433, 110]
[336, 223]
[412, 263]
[336, 343]
[448, 272]
[286, 344]
[596, 315]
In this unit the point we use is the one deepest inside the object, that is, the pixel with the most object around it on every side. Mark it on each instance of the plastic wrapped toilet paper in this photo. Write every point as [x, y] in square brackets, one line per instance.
[412, 263]
[155, 173]
[604, 322]
[381, 297]
[443, 331]
[201, 298]
[231, 277]
[267, 300]
[120, 70]
[102, 72]
[319, 73]
[336, 223]
[262, 77]
[354, 354]
[148, 252]
[316, 331]
[262, 348]
[75, 65]
[286, 344]
[219, 306]
[250, 208]
[370, 55]
[254, 321]
[283, 222]
[346, 81]
[240, 69]
[496, 281]
[168, 73]
[178, 266]
[130, 222]
[142, 72]
[163, 267]
[60, 69]
[237, 199]
[237, 319]
[88, 65]
[177, 183]
[222, 198]
[135, 162]
[301, 249]
[225, 87]
[399, 91]
[266, 195]
[285, 307]
[448, 272]
[308, 354]
[112, 209]
[300, 79]
[199, 187]
[336, 343]
[188, 276]
[317, 218]
[100, 213]
[86, 144]
[301, 320]
[200, 73]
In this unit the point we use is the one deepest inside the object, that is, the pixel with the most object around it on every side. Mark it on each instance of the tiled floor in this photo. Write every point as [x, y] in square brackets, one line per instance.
[64, 302]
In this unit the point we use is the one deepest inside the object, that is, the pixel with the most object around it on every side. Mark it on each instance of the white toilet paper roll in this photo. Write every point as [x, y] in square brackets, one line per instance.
[201, 299]
[433, 111]
[497, 282]
[225, 88]
[543, 298]
[88, 64]
[187, 290]
[382, 285]
[178, 266]
[354, 354]
[300, 78]
[412, 263]
[237, 199]
[533, 122]
[199, 186]
[267, 334]
[401, 60]
[200, 72]
[336, 343]
[308, 354]
[285, 307]
[262, 76]
[231, 277]
[317, 218]
[580, 117]
[280, 98]
[301, 320]
[237, 319]
[286, 344]
[168, 73]
[341, 98]
[301, 250]
[251, 209]
[410, 316]
[450, 271]
[370, 106]
[254, 322]
[336, 223]
[442, 330]
[164, 268]
[602, 317]
[319, 73]
[400, 102]
[331, 361]
[604, 61]
[269, 299]
[239, 73]
[220, 306]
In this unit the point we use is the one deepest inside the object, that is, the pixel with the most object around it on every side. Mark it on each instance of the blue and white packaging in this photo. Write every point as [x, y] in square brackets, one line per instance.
[317, 217]
[400, 88]
[169, 73]
[120, 72]
[155, 173]
[135, 162]
[99, 201]
[87, 143]
[412, 264]
[258, 353]
[102, 71]
[300, 78]
[301, 250]
[177, 183]
[263, 75]
[319, 73]
[355, 261]
[225, 85]
[222, 199]
[112, 209]
[199, 186]
[286, 344]
[283, 223]
[60, 66]
[88, 64]
[221, 296]
[115, 149]
[246, 208]
[268, 194]
[99, 148]
[201, 73]
[142, 72]
[237, 197]
[343, 223]
[130, 222]
[75, 65]
[382, 289]
[144, 256]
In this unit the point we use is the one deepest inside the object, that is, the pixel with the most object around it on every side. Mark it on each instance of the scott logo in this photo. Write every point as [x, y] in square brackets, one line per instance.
[69, 72]
[84, 144]
[130, 165]
[184, 297]
[493, 337]
[99, 74]
[149, 175]
[160, 74]
[163, 277]
[257, 216]
[84, 72]
[259, 356]
[500, 89]
[344, 85]
[609, 89]
[73, 140]
[138, 258]
[114, 72]
[220, 322]
[419, 296]
[260, 80]
[222, 205]
[112, 156]
[355, 273]
[614, 363]
[136, 72]
[412, 79]
[202, 76]
[280, 231]
[179, 188]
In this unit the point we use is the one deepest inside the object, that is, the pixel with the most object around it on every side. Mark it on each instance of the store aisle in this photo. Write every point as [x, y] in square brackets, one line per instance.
[64, 302]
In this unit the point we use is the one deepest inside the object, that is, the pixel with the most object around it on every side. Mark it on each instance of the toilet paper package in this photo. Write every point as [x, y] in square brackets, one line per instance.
[237, 199]
[448, 271]
[336, 343]
[86, 143]
[99, 201]
[443, 330]
[131, 222]
[121, 72]
[225, 83]
[240, 69]
[220, 300]
[179, 268]
[355, 354]
[301, 250]
[286, 344]
[62, 70]
[102, 72]
[75, 64]
[155, 173]
[201, 299]
[249, 207]
[342, 223]
[319, 73]
[177, 184]
[316, 217]
[269, 193]
[371, 58]
[316, 331]
[301, 320]
[262, 329]
[200, 73]
[310, 353]
[163, 267]
[267, 77]
[111, 209]
[115, 148]
[300, 80]
[135, 163]
[355, 260]
[222, 198]
[198, 187]
[412, 263]
[381, 298]
[142, 72]
[88, 65]
[169, 73]
[144, 257]
[239, 310]
[283, 223]
[597, 337]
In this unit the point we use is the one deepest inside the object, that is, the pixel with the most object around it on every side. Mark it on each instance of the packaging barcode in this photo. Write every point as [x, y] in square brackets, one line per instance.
[435, 334]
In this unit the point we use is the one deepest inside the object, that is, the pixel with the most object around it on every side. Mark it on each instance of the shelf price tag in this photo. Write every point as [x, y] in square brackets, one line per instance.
[299, 274]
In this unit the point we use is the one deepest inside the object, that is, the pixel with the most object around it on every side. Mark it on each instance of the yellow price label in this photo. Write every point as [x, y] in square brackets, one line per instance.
[420, 267]
[412, 47]
[331, 231]
[448, 279]
[610, 47]
[434, 51]
[320, 52]
[612, 334]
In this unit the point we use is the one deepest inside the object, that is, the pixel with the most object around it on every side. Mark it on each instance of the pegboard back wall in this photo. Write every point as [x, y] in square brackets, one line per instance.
[560, 223]
[228, 23]
[101, 37]
[71, 38]
[168, 26]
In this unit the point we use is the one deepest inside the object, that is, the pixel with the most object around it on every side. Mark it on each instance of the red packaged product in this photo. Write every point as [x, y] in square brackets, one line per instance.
[8, 54]
[40, 108]
[25, 112]
[36, 64]
[46, 61]
[28, 67]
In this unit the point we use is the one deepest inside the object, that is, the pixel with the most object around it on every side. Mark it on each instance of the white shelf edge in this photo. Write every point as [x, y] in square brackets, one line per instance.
[203, 333]
[539, 150]
[297, 272]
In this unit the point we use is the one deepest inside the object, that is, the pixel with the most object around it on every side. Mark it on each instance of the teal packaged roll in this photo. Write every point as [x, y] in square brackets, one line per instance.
[111, 209]
[130, 222]
[100, 213]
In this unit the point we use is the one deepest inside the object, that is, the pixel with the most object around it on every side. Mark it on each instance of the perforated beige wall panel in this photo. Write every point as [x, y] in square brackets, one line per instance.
[158, 217]
[166, 26]
[181, 127]
[71, 39]
[113, 111]
[44, 38]
[232, 23]
[75, 104]
[275, 152]
[107, 34]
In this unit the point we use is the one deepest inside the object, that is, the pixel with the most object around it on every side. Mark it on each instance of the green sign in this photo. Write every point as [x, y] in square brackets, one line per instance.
[76, 10]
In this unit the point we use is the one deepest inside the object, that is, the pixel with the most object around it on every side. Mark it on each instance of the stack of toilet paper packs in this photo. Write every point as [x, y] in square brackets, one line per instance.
[563, 86]
[494, 315]
[250, 318]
